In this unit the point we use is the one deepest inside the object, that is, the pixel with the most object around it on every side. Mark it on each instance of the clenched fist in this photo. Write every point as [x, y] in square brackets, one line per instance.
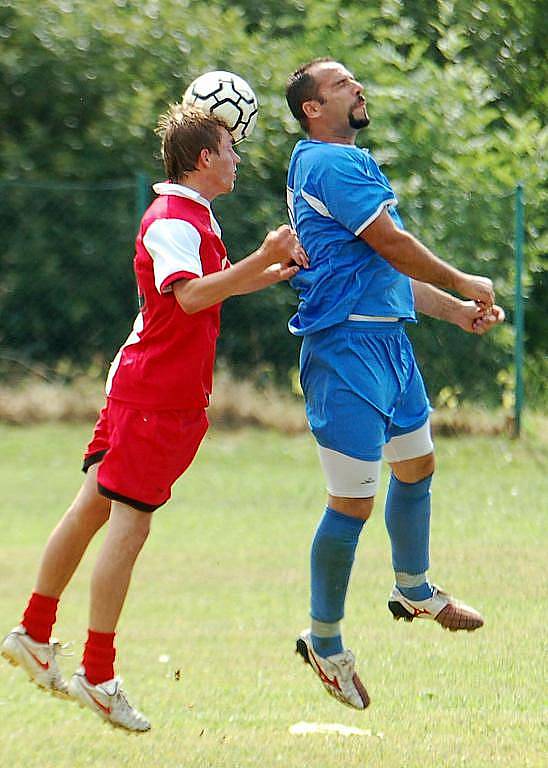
[282, 247]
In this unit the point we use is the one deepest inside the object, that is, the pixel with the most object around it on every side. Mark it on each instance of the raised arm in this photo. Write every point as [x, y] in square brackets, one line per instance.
[409, 256]
[277, 258]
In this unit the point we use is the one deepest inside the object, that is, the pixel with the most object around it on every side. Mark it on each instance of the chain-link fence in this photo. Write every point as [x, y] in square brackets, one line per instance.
[475, 234]
[67, 291]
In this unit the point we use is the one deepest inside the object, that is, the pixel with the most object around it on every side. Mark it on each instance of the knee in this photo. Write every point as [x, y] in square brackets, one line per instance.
[132, 540]
[414, 470]
[360, 508]
[129, 527]
[425, 466]
[89, 513]
[140, 531]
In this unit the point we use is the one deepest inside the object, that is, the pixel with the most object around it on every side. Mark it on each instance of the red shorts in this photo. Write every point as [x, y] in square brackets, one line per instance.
[143, 452]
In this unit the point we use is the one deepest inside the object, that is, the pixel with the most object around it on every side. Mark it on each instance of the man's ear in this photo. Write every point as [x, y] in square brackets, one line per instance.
[204, 158]
[311, 108]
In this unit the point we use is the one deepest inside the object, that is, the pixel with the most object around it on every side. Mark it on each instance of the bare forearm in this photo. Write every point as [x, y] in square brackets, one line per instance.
[279, 257]
[434, 302]
[270, 276]
[409, 256]
[467, 315]
[203, 292]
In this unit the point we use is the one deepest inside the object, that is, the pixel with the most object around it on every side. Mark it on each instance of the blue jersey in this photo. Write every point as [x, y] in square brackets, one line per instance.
[334, 191]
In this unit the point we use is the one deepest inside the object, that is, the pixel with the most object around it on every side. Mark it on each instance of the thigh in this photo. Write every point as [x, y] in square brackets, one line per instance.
[148, 451]
[348, 425]
[348, 393]
[88, 500]
[412, 408]
[347, 477]
[99, 442]
[405, 446]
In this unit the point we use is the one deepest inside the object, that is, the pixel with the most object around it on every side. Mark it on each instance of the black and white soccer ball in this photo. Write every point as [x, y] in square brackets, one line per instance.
[227, 96]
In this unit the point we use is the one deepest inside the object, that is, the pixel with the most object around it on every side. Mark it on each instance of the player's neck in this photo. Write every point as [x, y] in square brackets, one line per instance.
[333, 136]
[200, 183]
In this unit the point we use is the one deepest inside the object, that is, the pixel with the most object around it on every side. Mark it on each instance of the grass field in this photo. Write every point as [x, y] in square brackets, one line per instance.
[221, 590]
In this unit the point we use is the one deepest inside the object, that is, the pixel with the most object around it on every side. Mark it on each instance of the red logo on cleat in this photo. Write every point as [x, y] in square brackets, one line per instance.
[43, 664]
[106, 710]
[323, 677]
[417, 611]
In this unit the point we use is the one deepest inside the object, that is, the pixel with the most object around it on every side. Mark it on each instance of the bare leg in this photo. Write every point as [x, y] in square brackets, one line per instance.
[69, 540]
[127, 532]
[413, 470]
[360, 508]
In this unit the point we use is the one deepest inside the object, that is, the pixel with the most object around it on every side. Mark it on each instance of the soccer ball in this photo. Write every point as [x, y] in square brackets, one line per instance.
[227, 96]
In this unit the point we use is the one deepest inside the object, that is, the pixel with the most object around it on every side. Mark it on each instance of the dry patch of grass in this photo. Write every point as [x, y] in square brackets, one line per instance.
[32, 401]
[240, 402]
[235, 402]
[470, 420]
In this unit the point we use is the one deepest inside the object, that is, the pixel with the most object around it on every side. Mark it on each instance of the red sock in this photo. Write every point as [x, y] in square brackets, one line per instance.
[99, 655]
[39, 617]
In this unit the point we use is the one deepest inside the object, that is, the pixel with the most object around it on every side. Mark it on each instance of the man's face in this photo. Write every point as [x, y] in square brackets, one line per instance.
[343, 103]
[223, 164]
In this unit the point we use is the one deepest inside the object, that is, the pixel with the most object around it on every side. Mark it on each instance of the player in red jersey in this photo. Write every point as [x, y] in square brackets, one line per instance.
[154, 418]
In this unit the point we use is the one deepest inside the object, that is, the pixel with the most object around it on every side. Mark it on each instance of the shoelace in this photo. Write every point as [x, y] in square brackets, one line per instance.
[121, 695]
[128, 711]
[59, 649]
[123, 698]
[347, 661]
[62, 649]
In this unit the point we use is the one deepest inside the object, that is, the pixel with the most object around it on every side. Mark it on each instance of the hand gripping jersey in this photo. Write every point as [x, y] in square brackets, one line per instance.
[334, 192]
[167, 360]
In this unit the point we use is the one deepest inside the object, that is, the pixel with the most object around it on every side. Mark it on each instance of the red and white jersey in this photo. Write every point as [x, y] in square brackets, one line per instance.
[167, 360]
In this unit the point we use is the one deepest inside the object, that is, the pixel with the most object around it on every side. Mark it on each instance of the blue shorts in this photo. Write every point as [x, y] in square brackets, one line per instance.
[362, 386]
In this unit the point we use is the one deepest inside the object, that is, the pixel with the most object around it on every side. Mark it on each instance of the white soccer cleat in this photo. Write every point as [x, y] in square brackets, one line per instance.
[441, 607]
[108, 700]
[336, 672]
[37, 659]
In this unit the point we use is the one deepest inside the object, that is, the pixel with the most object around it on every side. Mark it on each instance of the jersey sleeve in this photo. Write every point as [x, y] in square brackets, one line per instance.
[351, 193]
[174, 246]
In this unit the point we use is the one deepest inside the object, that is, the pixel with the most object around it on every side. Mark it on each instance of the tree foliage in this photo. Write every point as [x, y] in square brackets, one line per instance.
[457, 93]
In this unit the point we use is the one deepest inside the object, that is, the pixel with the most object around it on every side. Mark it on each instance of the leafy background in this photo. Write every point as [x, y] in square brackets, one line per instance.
[457, 94]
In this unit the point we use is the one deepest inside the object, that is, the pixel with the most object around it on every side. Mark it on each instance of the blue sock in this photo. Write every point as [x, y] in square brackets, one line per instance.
[331, 560]
[407, 516]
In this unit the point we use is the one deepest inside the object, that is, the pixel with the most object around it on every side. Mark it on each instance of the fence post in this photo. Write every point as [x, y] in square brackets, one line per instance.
[518, 312]
[142, 195]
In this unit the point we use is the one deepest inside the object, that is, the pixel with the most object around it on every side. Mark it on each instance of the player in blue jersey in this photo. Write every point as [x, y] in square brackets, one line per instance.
[365, 397]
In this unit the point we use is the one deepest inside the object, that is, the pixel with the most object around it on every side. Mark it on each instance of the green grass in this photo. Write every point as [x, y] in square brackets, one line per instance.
[221, 588]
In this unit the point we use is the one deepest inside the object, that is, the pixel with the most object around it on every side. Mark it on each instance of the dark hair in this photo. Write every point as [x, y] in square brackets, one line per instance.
[301, 86]
[185, 131]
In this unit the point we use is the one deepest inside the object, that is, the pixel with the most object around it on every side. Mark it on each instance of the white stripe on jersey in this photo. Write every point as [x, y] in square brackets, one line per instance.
[316, 204]
[375, 215]
[174, 245]
[133, 338]
[290, 207]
